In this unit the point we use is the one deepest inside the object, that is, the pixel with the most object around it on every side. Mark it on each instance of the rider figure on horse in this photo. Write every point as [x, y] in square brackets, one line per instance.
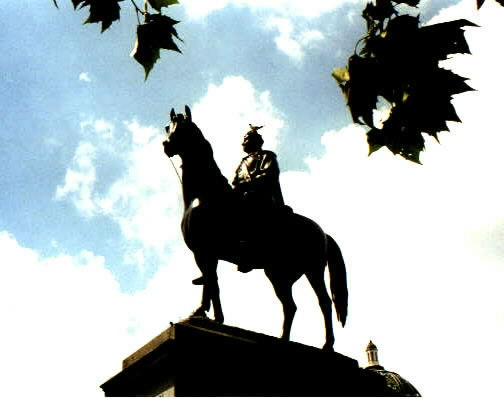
[257, 184]
[257, 177]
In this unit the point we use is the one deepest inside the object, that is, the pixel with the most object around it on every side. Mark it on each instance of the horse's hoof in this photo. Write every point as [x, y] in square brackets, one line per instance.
[199, 314]
[219, 320]
[328, 348]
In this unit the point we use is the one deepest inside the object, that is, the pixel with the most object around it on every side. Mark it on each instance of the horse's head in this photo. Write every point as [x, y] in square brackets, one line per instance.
[180, 133]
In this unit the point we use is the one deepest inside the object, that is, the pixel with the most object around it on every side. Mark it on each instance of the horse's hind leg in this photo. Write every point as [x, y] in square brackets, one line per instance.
[316, 279]
[283, 290]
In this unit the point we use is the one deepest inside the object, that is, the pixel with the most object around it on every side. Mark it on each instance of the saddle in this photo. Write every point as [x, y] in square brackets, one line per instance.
[256, 233]
[259, 234]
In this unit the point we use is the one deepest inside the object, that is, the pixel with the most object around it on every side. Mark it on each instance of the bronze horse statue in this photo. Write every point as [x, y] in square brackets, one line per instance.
[211, 223]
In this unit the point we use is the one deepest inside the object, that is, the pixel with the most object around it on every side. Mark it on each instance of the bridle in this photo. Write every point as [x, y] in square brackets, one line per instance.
[171, 161]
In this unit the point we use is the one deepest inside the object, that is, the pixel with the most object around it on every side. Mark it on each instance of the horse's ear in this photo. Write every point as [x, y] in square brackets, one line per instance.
[188, 113]
[172, 115]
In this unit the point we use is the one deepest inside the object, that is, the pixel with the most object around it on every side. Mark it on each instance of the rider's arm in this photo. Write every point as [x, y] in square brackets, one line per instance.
[268, 172]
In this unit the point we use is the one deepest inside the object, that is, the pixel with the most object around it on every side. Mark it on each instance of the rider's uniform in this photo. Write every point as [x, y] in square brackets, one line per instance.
[257, 182]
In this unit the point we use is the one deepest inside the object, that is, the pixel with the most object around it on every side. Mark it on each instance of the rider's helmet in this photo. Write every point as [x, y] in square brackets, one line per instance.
[252, 141]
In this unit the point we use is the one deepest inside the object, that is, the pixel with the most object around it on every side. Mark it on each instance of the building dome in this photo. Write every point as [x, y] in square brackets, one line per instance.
[393, 384]
[390, 383]
[371, 347]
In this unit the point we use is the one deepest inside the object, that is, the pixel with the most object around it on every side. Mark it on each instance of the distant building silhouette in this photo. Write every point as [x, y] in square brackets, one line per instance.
[372, 355]
[394, 384]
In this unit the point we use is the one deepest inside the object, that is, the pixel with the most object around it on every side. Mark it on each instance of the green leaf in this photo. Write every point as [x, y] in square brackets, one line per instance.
[100, 11]
[341, 75]
[158, 4]
[157, 33]
[143, 52]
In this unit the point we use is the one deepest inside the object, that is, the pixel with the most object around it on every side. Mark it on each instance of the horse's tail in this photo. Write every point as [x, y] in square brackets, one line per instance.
[338, 279]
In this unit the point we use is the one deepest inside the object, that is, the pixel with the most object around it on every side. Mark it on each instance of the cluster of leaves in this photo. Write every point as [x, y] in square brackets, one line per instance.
[479, 3]
[399, 62]
[155, 33]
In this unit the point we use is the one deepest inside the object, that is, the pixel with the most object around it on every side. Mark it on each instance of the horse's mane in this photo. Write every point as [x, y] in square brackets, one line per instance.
[211, 181]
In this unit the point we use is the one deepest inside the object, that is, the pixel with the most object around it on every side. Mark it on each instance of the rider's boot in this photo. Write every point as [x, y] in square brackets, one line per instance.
[198, 281]
[245, 265]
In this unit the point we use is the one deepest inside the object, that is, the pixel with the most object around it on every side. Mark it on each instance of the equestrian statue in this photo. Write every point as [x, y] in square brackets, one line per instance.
[248, 224]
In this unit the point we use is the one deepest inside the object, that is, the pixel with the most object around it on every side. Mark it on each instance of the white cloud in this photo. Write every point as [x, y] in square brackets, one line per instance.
[284, 40]
[308, 37]
[241, 103]
[80, 179]
[143, 200]
[286, 17]
[292, 43]
[99, 130]
[64, 326]
[85, 77]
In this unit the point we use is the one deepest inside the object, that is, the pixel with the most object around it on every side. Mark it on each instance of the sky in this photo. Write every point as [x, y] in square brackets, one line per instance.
[94, 262]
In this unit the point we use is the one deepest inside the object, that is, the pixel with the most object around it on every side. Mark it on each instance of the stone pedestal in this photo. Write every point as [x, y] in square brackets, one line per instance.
[202, 358]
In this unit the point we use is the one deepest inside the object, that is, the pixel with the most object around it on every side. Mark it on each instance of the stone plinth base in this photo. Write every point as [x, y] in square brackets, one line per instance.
[202, 358]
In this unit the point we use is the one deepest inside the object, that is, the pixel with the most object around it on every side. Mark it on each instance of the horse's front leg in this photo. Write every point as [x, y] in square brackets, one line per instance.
[211, 292]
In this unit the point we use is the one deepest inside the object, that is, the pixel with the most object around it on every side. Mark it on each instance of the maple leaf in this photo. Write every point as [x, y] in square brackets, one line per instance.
[104, 11]
[155, 34]
[479, 3]
[158, 4]
[440, 40]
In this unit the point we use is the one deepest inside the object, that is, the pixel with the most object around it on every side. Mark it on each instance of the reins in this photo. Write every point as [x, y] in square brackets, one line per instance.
[176, 171]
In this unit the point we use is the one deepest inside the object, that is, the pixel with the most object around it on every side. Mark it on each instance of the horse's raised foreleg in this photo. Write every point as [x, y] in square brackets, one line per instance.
[283, 290]
[316, 279]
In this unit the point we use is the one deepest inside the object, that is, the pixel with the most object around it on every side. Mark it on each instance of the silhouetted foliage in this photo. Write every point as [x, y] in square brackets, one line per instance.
[155, 33]
[398, 62]
[479, 3]
[104, 11]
